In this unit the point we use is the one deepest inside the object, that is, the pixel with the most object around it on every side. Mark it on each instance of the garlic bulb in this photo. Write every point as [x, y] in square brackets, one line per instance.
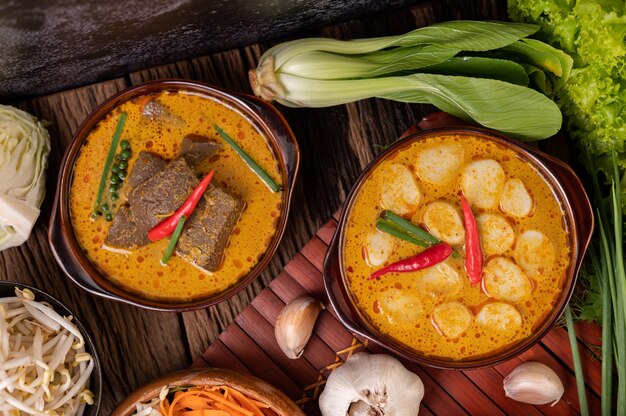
[371, 385]
[533, 383]
[294, 325]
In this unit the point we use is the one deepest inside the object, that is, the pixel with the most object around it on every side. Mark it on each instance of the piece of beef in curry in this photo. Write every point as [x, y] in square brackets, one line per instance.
[196, 149]
[124, 232]
[159, 188]
[162, 194]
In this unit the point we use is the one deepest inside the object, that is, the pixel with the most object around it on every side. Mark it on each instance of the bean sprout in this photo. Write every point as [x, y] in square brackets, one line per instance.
[44, 369]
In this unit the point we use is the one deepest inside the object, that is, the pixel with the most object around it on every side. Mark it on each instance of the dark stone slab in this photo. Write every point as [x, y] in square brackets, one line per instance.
[50, 45]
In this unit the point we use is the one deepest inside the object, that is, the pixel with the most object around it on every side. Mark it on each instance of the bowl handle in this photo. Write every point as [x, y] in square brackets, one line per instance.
[60, 245]
[336, 291]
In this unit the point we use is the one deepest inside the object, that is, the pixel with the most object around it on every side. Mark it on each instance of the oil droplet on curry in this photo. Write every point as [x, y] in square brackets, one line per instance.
[156, 125]
[524, 237]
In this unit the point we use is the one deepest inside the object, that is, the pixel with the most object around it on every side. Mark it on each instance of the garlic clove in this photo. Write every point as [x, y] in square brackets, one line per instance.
[295, 323]
[533, 383]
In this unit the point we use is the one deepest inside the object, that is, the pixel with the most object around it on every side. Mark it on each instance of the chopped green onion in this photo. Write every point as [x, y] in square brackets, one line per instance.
[392, 229]
[173, 240]
[253, 165]
[409, 227]
[109, 160]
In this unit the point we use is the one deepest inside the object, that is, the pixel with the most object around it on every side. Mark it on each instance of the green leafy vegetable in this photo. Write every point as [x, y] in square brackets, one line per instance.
[479, 67]
[439, 64]
[541, 55]
[593, 101]
[529, 116]
[24, 149]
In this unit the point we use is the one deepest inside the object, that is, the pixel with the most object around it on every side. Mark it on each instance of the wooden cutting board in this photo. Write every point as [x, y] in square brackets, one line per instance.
[248, 346]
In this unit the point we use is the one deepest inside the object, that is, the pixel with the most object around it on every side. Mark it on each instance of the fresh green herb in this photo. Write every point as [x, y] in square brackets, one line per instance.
[593, 101]
[253, 165]
[434, 65]
[173, 240]
[578, 368]
[179, 388]
[109, 160]
[392, 229]
[409, 227]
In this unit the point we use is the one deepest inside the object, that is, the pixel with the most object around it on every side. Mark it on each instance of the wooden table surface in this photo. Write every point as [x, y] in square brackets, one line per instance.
[137, 345]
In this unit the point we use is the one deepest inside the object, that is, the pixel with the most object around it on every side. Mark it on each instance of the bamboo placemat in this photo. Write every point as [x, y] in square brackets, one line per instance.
[248, 346]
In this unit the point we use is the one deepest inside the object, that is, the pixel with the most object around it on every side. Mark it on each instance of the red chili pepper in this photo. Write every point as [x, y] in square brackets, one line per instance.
[473, 249]
[166, 227]
[427, 258]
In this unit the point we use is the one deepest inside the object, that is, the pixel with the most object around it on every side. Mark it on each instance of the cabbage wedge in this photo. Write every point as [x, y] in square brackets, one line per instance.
[24, 149]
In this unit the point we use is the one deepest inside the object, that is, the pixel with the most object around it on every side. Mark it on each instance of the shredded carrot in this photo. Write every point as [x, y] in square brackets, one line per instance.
[212, 401]
[246, 403]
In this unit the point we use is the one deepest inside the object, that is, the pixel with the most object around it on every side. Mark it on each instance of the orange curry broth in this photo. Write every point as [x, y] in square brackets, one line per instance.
[421, 335]
[140, 270]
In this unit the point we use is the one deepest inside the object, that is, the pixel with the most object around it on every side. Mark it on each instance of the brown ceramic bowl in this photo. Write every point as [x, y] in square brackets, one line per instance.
[63, 242]
[579, 215]
[7, 289]
[250, 386]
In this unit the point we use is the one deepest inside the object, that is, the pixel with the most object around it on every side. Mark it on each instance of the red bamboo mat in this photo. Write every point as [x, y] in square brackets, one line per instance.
[248, 346]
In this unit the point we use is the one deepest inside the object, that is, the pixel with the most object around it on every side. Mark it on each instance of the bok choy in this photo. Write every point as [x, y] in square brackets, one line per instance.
[24, 149]
[478, 71]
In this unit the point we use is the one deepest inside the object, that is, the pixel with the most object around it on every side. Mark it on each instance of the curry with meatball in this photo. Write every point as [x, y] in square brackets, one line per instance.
[521, 234]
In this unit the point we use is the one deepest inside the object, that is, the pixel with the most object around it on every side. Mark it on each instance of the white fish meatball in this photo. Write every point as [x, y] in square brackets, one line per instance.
[535, 253]
[499, 316]
[515, 199]
[439, 164]
[497, 235]
[400, 192]
[439, 280]
[504, 280]
[444, 221]
[482, 182]
[400, 307]
[377, 248]
[452, 319]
